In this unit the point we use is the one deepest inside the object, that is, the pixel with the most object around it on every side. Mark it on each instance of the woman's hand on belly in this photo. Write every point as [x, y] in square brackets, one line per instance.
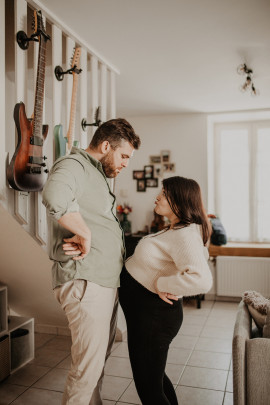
[166, 296]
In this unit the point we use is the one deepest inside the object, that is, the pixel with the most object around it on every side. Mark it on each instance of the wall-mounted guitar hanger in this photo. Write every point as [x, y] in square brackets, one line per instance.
[23, 40]
[59, 73]
[97, 122]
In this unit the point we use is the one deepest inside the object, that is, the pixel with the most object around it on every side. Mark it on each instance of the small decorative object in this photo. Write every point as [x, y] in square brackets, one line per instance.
[148, 172]
[168, 167]
[138, 174]
[124, 210]
[149, 176]
[151, 182]
[141, 185]
[248, 85]
[158, 170]
[165, 156]
[155, 159]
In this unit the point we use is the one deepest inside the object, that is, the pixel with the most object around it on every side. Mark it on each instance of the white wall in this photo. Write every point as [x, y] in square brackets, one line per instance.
[185, 135]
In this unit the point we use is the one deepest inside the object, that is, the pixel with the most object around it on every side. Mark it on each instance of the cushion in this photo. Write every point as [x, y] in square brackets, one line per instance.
[266, 328]
[259, 309]
[257, 301]
[258, 318]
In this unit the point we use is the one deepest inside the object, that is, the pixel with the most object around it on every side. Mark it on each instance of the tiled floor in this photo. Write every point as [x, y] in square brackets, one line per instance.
[199, 364]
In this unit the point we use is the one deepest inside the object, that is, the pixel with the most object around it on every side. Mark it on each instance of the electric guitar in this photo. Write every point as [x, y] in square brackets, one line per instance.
[62, 144]
[27, 169]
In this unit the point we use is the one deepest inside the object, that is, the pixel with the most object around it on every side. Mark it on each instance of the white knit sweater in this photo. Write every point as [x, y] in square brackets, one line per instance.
[176, 259]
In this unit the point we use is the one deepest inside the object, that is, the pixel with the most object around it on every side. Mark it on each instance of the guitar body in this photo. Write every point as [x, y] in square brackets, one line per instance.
[59, 142]
[22, 174]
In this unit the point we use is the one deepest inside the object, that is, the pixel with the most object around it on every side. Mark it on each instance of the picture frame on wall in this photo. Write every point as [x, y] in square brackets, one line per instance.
[158, 170]
[168, 167]
[152, 182]
[148, 171]
[165, 156]
[141, 185]
[155, 159]
[138, 174]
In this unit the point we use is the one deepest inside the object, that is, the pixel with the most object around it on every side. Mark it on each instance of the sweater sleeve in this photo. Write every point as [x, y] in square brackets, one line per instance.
[63, 187]
[193, 275]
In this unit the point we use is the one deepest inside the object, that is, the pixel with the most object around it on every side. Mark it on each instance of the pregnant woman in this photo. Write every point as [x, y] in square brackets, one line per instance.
[165, 267]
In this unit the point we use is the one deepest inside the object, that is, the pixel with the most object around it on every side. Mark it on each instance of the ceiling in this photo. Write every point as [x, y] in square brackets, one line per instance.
[177, 56]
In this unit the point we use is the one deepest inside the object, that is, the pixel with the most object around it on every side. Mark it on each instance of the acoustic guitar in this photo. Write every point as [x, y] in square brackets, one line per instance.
[62, 144]
[27, 169]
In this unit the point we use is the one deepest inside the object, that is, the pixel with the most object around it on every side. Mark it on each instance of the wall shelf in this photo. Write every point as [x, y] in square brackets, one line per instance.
[17, 346]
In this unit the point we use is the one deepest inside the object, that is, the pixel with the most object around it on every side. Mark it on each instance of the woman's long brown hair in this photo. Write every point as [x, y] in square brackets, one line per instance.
[185, 199]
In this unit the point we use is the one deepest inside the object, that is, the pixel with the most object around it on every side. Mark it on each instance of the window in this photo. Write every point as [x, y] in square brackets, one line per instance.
[242, 179]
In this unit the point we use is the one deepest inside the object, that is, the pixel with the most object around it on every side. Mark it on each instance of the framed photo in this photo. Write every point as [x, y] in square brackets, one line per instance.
[148, 172]
[141, 185]
[155, 159]
[138, 174]
[165, 156]
[168, 167]
[158, 170]
[151, 182]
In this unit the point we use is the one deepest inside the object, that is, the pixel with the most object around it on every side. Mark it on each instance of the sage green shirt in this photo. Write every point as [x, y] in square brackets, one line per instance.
[77, 183]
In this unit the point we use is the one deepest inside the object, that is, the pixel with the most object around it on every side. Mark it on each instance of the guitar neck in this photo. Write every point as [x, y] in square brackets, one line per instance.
[70, 133]
[39, 95]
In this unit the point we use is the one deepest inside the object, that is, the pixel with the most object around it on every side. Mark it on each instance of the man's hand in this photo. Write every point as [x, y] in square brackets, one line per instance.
[166, 296]
[77, 245]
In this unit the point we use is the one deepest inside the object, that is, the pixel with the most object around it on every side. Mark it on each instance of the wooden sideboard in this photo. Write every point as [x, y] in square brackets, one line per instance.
[240, 249]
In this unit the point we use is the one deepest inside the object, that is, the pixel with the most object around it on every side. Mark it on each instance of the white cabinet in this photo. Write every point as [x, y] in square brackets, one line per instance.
[17, 346]
[22, 345]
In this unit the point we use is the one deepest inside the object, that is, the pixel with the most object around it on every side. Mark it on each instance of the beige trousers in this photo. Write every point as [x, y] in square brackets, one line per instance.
[89, 308]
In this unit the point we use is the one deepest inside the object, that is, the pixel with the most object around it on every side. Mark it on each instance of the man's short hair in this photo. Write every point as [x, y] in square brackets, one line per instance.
[114, 131]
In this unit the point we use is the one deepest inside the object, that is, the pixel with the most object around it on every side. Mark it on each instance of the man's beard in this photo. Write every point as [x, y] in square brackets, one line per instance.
[108, 166]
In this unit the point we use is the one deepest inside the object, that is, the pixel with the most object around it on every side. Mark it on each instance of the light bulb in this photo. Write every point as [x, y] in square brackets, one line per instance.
[254, 92]
[241, 69]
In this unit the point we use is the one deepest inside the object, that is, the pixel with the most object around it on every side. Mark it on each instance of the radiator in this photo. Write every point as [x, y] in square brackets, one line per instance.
[237, 274]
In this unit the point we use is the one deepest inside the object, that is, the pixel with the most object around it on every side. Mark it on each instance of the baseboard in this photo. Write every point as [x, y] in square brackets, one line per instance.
[228, 299]
[210, 297]
[214, 297]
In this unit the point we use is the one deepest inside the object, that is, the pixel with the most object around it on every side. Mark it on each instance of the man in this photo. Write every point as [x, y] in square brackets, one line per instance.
[87, 250]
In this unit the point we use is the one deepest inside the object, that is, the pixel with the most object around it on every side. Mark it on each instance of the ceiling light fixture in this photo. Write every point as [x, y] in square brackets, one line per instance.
[248, 84]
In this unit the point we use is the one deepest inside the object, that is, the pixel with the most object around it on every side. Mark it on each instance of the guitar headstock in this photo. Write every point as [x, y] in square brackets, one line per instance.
[39, 28]
[75, 60]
